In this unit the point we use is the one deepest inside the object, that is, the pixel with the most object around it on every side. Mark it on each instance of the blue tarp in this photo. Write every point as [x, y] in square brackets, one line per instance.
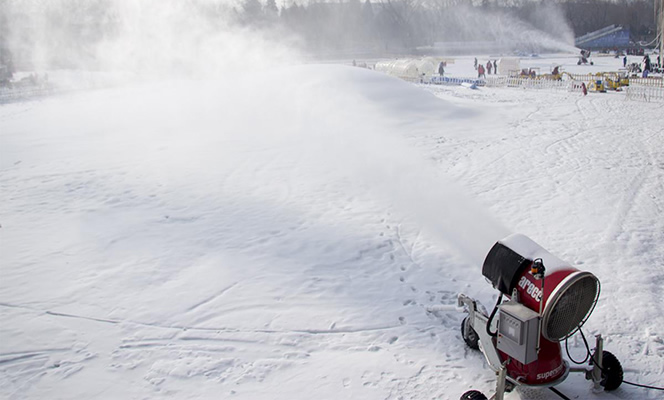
[619, 39]
[444, 80]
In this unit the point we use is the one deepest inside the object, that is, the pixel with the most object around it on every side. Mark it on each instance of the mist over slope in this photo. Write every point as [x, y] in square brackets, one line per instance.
[338, 121]
[216, 211]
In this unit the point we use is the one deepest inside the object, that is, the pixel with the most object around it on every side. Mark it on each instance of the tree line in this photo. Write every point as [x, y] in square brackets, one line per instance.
[325, 27]
[385, 25]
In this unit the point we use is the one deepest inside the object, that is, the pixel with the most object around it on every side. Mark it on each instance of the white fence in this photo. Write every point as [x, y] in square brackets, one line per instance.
[652, 81]
[527, 83]
[588, 77]
[641, 89]
[647, 82]
[644, 93]
[9, 95]
[506, 81]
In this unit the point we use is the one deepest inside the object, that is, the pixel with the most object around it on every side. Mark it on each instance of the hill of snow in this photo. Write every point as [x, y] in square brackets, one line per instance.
[285, 234]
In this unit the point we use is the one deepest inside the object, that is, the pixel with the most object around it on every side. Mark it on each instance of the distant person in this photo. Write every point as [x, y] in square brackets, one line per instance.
[625, 62]
[480, 71]
[495, 67]
[489, 66]
[646, 62]
[584, 89]
[10, 68]
[476, 63]
[441, 68]
[556, 71]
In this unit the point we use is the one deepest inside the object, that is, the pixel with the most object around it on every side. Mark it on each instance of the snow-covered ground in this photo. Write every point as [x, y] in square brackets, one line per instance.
[285, 235]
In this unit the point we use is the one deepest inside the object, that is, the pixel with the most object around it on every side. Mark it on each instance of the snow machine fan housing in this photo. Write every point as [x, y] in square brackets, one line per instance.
[569, 295]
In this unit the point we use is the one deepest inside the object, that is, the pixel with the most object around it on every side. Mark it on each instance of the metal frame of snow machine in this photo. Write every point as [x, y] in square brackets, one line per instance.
[474, 331]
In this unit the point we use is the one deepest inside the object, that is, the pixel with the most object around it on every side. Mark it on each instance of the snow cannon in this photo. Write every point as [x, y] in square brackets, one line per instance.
[546, 302]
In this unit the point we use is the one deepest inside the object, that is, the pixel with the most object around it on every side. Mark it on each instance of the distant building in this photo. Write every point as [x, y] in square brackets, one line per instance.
[610, 37]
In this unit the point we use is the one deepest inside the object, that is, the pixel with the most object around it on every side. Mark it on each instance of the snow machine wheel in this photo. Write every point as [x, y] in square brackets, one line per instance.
[612, 372]
[469, 335]
[473, 395]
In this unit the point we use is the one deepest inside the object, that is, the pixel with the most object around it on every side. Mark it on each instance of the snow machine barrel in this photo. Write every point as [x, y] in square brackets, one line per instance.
[569, 295]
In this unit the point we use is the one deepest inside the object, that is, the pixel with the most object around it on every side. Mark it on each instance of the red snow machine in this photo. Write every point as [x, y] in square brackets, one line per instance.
[548, 301]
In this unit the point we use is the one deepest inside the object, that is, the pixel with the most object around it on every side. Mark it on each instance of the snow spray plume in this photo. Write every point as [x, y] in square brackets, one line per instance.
[338, 118]
[438, 205]
[365, 146]
[148, 37]
[550, 31]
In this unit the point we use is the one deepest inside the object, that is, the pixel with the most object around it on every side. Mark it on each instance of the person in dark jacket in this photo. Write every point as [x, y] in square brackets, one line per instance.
[480, 71]
[646, 62]
[441, 68]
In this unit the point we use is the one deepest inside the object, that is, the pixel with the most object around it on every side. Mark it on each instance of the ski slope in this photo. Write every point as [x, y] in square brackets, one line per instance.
[303, 233]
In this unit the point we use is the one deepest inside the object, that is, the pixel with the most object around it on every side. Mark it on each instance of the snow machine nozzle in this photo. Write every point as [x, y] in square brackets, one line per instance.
[503, 267]
[548, 300]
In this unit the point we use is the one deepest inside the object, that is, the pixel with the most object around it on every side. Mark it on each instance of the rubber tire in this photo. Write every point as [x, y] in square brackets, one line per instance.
[473, 395]
[469, 336]
[612, 372]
